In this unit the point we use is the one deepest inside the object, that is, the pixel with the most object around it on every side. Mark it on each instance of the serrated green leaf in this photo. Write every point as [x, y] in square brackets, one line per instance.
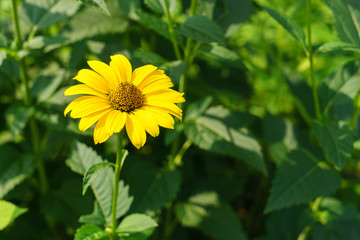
[98, 4]
[90, 23]
[156, 5]
[9, 212]
[39, 42]
[198, 108]
[154, 23]
[222, 54]
[152, 188]
[136, 223]
[301, 179]
[339, 48]
[218, 130]
[92, 172]
[81, 158]
[46, 85]
[17, 116]
[291, 26]
[40, 14]
[336, 142]
[14, 168]
[203, 29]
[90, 232]
[346, 21]
[95, 218]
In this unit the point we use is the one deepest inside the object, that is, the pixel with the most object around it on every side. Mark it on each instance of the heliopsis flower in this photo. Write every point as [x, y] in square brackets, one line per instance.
[115, 97]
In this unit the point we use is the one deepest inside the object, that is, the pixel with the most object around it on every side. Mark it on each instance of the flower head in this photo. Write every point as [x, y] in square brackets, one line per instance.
[115, 97]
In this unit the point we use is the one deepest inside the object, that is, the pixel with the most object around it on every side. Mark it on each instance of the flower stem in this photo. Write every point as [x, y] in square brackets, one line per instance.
[171, 31]
[118, 165]
[35, 138]
[310, 56]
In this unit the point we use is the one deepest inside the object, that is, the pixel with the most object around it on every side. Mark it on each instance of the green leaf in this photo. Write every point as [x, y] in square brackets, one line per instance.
[154, 23]
[17, 116]
[346, 21]
[46, 85]
[82, 158]
[301, 179]
[14, 168]
[130, 8]
[90, 23]
[339, 48]
[222, 223]
[40, 42]
[291, 26]
[206, 8]
[341, 87]
[90, 232]
[218, 130]
[156, 5]
[96, 217]
[203, 29]
[92, 173]
[40, 14]
[222, 54]
[148, 57]
[198, 108]
[98, 4]
[9, 212]
[235, 12]
[135, 223]
[336, 142]
[152, 188]
[174, 70]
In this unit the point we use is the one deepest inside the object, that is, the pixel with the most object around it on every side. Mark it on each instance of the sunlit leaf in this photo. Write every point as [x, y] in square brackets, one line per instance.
[90, 232]
[9, 212]
[17, 116]
[218, 130]
[98, 4]
[92, 172]
[339, 48]
[46, 85]
[136, 223]
[154, 23]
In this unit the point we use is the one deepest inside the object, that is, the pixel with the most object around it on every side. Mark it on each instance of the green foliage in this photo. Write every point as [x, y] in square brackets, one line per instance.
[81, 159]
[9, 212]
[135, 223]
[219, 130]
[90, 232]
[92, 173]
[17, 116]
[301, 179]
[98, 4]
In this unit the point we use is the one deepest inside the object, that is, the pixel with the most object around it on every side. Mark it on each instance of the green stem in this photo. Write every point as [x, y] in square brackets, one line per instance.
[35, 137]
[171, 31]
[355, 115]
[310, 56]
[118, 165]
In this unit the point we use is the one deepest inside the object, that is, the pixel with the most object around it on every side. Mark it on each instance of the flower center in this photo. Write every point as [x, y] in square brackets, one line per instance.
[126, 97]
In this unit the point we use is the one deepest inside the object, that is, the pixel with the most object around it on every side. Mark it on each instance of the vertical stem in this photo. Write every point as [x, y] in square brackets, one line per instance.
[310, 55]
[171, 31]
[35, 138]
[118, 166]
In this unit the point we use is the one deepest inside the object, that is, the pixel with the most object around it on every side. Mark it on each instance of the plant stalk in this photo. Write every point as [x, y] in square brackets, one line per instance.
[35, 137]
[118, 165]
[311, 61]
[171, 31]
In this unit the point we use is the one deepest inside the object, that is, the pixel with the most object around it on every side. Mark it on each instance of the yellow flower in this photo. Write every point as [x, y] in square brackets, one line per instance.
[116, 97]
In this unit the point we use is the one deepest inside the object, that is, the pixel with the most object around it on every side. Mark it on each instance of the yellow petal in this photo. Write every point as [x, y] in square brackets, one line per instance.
[100, 133]
[135, 131]
[115, 121]
[93, 80]
[105, 71]
[140, 73]
[83, 89]
[147, 121]
[88, 121]
[89, 106]
[157, 75]
[156, 86]
[122, 67]
[75, 103]
[170, 107]
[168, 95]
[162, 117]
